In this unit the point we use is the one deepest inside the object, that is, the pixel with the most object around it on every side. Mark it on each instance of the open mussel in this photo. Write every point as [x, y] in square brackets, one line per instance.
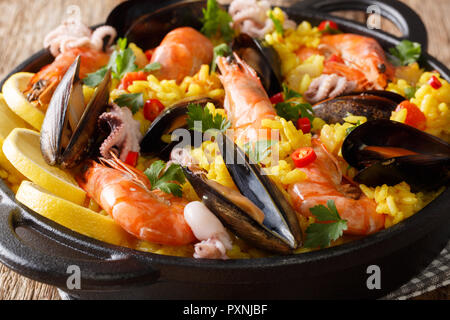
[389, 152]
[371, 104]
[68, 130]
[260, 213]
[262, 58]
[159, 139]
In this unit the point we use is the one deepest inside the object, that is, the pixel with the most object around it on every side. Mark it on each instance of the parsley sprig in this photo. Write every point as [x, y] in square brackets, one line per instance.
[216, 20]
[200, 115]
[259, 150]
[290, 109]
[121, 62]
[406, 52]
[168, 181]
[134, 101]
[331, 228]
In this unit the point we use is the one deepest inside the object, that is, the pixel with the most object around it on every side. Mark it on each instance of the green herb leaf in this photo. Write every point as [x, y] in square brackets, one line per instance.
[260, 150]
[405, 52]
[292, 111]
[152, 67]
[410, 92]
[278, 25]
[196, 113]
[321, 234]
[166, 182]
[289, 93]
[350, 129]
[93, 79]
[216, 20]
[134, 101]
[219, 51]
[121, 62]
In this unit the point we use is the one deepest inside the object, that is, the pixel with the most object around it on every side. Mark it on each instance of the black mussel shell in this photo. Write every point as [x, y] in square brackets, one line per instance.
[262, 58]
[372, 104]
[166, 123]
[234, 218]
[426, 169]
[69, 128]
[251, 181]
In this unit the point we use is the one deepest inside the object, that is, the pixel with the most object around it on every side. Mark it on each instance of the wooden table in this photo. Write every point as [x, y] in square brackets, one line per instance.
[25, 23]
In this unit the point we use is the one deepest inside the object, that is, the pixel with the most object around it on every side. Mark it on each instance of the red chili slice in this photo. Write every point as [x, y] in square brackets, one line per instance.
[303, 156]
[434, 82]
[152, 108]
[277, 98]
[414, 116]
[304, 124]
[328, 26]
[149, 54]
[132, 158]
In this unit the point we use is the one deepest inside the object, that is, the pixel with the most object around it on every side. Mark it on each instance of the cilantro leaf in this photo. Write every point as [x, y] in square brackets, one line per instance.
[166, 181]
[197, 114]
[220, 50]
[216, 20]
[405, 52]
[321, 234]
[289, 93]
[260, 150]
[152, 67]
[134, 101]
[293, 111]
[93, 79]
[277, 23]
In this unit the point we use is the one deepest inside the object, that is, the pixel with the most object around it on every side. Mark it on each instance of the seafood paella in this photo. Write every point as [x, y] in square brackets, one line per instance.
[255, 135]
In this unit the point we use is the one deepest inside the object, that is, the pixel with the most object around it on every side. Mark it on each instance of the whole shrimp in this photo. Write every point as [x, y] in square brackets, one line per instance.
[324, 182]
[43, 84]
[125, 193]
[246, 104]
[246, 101]
[181, 53]
[359, 59]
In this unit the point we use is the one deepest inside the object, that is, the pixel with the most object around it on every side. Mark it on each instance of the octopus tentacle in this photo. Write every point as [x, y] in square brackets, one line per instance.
[125, 134]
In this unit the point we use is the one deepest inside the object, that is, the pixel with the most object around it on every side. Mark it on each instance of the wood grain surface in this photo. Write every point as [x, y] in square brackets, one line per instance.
[25, 23]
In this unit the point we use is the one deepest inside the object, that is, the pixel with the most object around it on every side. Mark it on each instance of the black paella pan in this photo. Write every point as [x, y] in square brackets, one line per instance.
[43, 250]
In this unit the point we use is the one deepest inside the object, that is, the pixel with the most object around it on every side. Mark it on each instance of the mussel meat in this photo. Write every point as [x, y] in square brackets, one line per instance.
[389, 152]
[68, 130]
[262, 58]
[371, 104]
[260, 213]
[158, 140]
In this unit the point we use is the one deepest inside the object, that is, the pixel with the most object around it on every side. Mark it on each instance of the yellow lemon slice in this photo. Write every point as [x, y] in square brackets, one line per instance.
[8, 121]
[13, 93]
[22, 149]
[72, 216]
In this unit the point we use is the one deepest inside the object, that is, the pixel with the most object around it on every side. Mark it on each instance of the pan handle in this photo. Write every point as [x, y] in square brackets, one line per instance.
[100, 266]
[406, 19]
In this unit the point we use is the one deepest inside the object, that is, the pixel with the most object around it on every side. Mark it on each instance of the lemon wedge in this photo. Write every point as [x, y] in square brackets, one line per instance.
[13, 93]
[22, 149]
[8, 121]
[72, 216]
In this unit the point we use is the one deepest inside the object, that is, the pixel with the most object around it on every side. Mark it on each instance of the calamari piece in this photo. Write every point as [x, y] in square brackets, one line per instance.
[207, 228]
